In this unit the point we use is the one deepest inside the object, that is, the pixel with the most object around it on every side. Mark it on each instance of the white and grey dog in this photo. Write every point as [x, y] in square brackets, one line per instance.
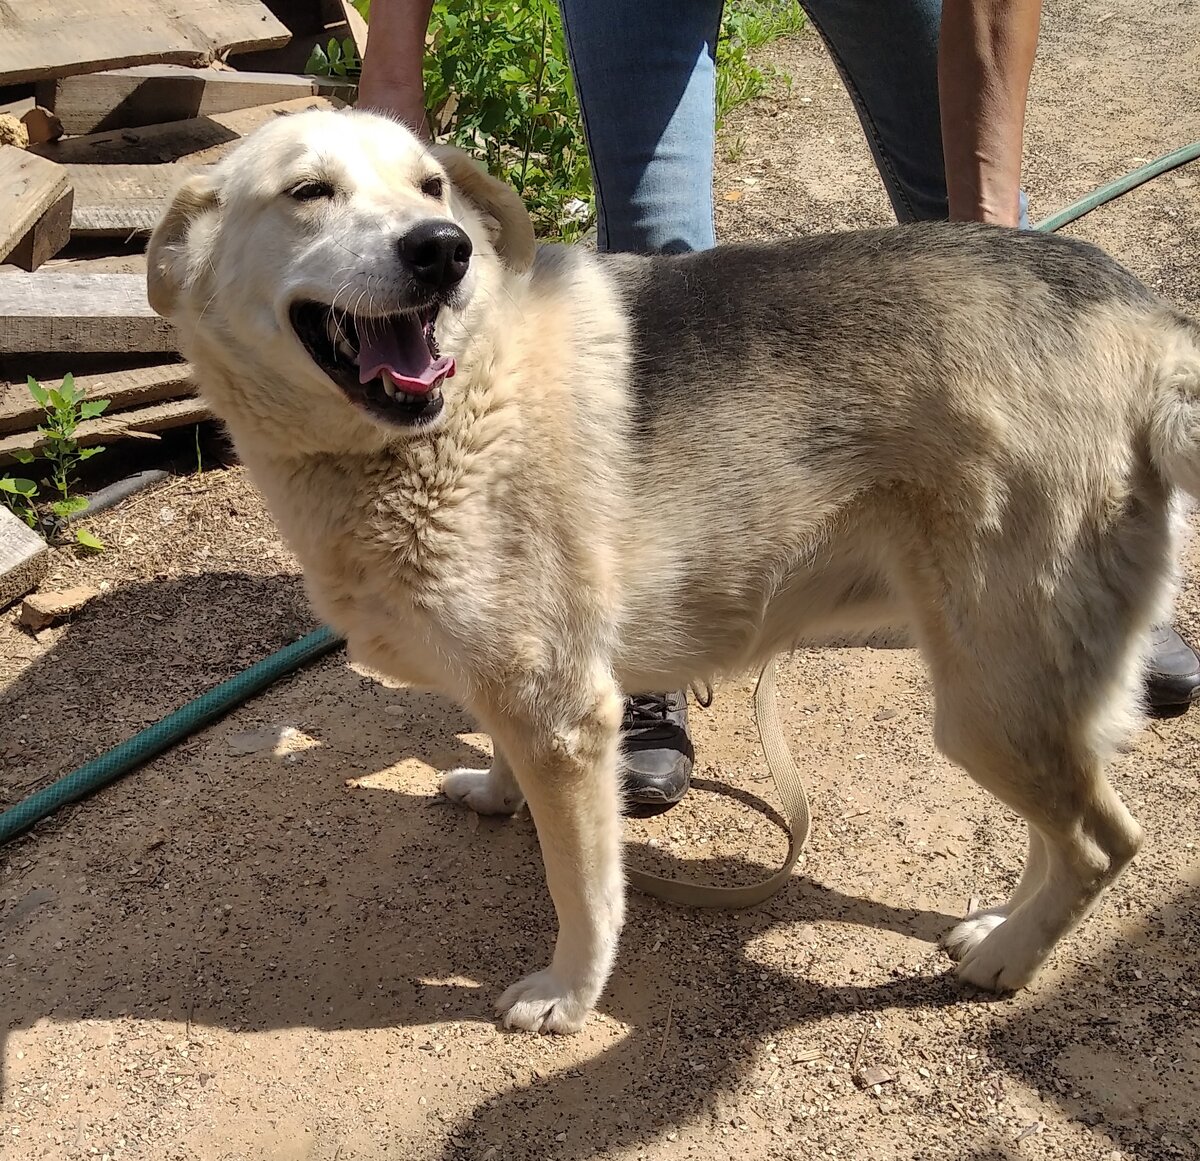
[485, 453]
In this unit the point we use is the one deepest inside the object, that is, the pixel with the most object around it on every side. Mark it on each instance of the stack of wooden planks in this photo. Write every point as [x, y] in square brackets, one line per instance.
[102, 113]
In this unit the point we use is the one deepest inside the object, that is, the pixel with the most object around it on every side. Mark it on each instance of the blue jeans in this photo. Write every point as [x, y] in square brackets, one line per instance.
[646, 77]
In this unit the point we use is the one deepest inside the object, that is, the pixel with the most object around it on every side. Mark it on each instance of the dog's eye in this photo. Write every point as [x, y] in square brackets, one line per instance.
[310, 191]
[433, 187]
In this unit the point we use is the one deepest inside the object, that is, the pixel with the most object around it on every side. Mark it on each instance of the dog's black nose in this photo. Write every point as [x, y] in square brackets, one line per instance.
[437, 253]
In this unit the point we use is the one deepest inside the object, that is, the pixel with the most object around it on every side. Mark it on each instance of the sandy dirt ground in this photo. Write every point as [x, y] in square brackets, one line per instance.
[277, 943]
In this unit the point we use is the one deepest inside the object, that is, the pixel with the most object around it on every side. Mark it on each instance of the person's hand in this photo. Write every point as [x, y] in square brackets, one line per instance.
[391, 80]
[400, 99]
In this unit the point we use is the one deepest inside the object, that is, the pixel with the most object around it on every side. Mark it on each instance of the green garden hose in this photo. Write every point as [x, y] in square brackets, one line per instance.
[164, 734]
[1123, 185]
[227, 696]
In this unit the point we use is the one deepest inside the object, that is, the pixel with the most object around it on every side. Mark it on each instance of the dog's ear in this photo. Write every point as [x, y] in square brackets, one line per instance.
[504, 214]
[167, 258]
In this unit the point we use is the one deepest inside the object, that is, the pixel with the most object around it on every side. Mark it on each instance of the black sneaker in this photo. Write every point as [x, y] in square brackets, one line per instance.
[656, 752]
[1172, 671]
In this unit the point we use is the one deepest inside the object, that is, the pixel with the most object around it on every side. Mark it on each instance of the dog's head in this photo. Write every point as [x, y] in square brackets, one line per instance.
[332, 272]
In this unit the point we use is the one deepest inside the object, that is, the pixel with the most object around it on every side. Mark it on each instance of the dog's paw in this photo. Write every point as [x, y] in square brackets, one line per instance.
[993, 953]
[541, 1003]
[479, 791]
[960, 941]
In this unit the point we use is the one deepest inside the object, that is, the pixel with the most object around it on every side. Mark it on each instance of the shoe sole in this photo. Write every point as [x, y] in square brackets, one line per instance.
[1173, 709]
[649, 808]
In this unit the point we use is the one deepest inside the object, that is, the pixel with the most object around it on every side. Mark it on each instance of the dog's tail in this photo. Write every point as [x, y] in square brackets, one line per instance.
[1175, 407]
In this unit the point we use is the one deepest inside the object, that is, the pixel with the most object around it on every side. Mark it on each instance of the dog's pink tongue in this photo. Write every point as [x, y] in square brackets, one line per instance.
[397, 348]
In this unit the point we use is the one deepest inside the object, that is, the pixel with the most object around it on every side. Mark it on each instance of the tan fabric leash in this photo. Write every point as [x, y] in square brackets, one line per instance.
[795, 810]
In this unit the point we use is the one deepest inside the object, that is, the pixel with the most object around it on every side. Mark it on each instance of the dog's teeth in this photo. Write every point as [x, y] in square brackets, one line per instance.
[388, 386]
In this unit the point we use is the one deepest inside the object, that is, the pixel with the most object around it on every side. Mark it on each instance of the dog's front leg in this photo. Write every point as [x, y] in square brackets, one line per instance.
[567, 769]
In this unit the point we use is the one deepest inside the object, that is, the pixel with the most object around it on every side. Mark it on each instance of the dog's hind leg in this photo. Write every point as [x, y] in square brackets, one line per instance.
[568, 772]
[1034, 618]
[1044, 757]
[492, 791]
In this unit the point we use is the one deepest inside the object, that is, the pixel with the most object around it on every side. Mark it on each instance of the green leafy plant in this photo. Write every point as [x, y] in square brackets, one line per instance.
[89, 540]
[497, 84]
[65, 408]
[339, 58]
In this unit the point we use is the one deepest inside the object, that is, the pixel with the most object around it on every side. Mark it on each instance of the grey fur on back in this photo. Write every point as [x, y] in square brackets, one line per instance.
[888, 315]
[827, 296]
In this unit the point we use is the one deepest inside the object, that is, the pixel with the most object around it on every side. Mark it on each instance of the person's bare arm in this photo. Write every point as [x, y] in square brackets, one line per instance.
[984, 62]
[391, 79]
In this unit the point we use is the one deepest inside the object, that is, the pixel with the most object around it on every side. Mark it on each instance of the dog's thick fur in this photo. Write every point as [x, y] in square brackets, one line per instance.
[654, 470]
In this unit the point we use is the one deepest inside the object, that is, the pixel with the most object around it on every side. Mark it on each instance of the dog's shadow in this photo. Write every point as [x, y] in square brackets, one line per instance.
[315, 879]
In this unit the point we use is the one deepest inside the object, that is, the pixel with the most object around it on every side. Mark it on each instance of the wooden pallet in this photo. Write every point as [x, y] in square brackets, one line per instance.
[79, 313]
[156, 93]
[24, 558]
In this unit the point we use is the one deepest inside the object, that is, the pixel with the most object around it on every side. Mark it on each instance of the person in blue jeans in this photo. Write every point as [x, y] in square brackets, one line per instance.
[940, 87]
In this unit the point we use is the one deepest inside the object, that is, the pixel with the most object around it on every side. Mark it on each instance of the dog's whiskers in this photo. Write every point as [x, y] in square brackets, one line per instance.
[341, 335]
[338, 242]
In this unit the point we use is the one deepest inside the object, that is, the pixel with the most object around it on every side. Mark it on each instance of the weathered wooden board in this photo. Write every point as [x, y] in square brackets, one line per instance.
[48, 235]
[357, 26]
[30, 186]
[140, 423]
[79, 313]
[18, 108]
[152, 94]
[120, 200]
[71, 261]
[24, 558]
[101, 264]
[40, 38]
[124, 178]
[134, 387]
[189, 137]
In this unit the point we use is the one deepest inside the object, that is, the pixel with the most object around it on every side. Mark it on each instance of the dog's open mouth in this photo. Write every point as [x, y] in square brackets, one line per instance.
[387, 364]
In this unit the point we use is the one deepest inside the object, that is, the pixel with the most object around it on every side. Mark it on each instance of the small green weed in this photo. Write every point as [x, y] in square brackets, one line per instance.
[65, 408]
[339, 58]
[747, 25]
[19, 495]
